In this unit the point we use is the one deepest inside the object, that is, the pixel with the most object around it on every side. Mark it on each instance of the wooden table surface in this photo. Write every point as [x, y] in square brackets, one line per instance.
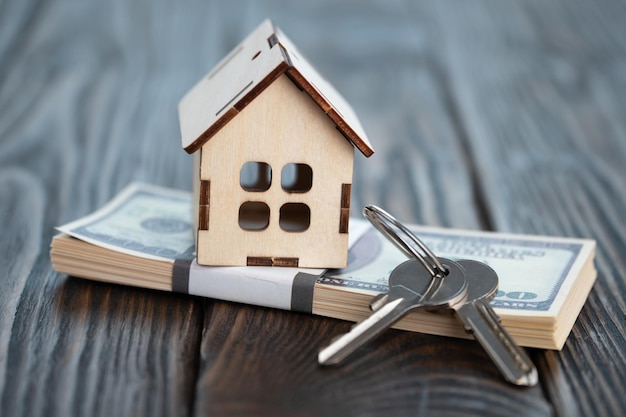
[498, 115]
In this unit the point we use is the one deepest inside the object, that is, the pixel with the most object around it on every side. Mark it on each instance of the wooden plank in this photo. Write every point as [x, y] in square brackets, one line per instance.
[204, 207]
[19, 193]
[538, 88]
[277, 374]
[99, 348]
[71, 346]
[78, 134]
[267, 261]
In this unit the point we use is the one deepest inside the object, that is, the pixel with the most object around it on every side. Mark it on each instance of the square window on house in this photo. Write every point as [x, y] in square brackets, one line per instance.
[254, 216]
[294, 217]
[296, 178]
[255, 176]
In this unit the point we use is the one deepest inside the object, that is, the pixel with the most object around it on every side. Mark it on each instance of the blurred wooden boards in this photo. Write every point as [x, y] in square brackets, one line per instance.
[535, 110]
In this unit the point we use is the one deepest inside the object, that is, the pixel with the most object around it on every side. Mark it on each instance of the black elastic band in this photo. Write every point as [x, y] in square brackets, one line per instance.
[180, 275]
[302, 292]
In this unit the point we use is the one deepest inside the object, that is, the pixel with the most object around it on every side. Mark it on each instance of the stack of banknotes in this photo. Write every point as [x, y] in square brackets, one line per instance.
[145, 238]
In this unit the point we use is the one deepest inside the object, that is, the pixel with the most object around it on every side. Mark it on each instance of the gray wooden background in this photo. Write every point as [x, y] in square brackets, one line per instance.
[500, 115]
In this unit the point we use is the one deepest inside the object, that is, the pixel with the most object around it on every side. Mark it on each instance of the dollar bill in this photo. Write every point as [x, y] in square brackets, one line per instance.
[143, 220]
[155, 223]
[532, 270]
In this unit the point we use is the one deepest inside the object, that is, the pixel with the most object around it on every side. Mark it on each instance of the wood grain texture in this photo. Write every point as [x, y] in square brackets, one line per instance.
[550, 154]
[283, 126]
[398, 374]
[502, 115]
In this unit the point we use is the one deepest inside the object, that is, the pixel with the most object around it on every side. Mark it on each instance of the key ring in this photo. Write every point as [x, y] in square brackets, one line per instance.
[405, 241]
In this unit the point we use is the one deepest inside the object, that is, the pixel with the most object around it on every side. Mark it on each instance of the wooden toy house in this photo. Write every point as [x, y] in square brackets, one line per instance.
[274, 152]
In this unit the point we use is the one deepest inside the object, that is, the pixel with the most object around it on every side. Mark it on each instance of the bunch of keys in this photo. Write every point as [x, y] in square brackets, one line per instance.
[428, 282]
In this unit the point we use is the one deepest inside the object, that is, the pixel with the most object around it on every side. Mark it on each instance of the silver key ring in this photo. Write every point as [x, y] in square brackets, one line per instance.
[405, 240]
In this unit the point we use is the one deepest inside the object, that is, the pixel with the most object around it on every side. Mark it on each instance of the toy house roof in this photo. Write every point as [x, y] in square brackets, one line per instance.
[244, 73]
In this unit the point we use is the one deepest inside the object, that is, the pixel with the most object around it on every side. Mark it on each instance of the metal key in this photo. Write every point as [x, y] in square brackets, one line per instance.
[411, 286]
[479, 318]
